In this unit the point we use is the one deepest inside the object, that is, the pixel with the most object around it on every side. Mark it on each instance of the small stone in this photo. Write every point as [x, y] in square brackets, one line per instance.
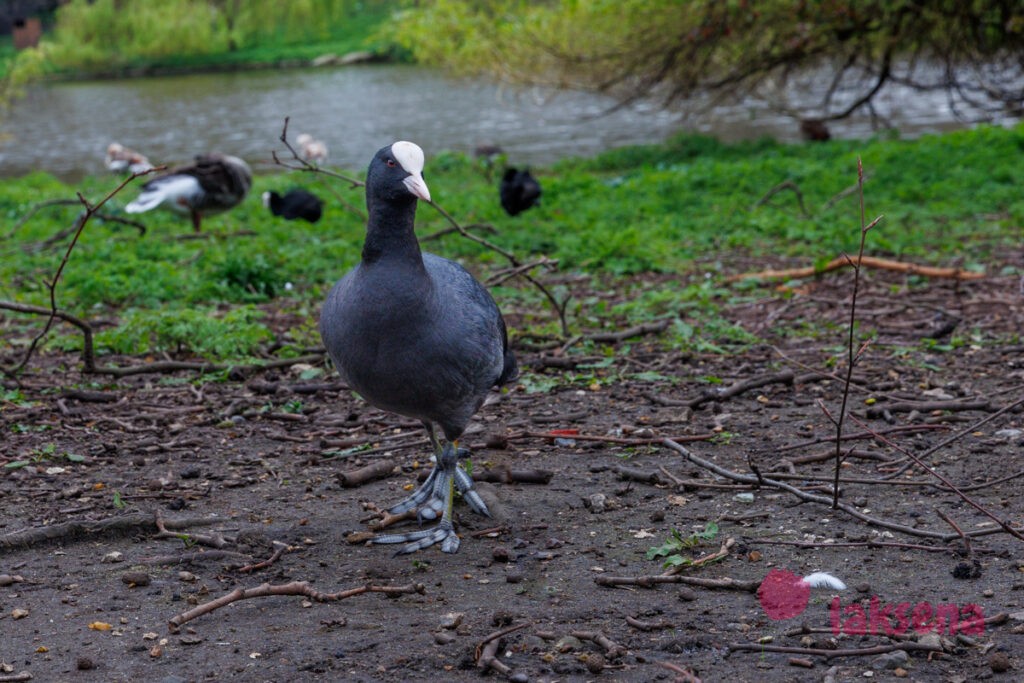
[863, 588]
[112, 557]
[890, 660]
[501, 554]
[443, 638]
[567, 644]
[452, 620]
[745, 497]
[684, 594]
[18, 613]
[84, 664]
[187, 577]
[999, 662]
[514, 576]
[519, 677]
[133, 579]
[595, 663]
[596, 502]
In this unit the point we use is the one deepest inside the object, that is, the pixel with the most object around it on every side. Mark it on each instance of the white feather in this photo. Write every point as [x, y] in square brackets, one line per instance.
[176, 191]
[823, 580]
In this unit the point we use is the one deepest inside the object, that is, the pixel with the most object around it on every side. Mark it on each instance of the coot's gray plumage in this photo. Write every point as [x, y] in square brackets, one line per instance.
[417, 335]
[214, 183]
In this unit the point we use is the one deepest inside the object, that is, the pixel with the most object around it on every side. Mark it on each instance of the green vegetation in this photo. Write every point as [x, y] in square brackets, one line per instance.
[672, 550]
[678, 208]
[137, 36]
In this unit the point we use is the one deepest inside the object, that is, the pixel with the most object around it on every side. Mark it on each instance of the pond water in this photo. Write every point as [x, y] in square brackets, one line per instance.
[64, 128]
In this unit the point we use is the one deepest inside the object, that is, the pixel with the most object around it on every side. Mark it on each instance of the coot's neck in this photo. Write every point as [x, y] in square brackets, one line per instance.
[389, 233]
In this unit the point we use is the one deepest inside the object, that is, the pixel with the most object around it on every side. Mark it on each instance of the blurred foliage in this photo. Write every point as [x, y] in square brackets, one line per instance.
[673, 50]
[127, 36]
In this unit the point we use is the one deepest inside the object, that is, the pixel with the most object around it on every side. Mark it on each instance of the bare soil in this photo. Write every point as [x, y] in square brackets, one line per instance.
[92, 585]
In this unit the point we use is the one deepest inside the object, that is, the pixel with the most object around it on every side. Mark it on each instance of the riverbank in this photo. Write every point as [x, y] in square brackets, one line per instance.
[357, 39]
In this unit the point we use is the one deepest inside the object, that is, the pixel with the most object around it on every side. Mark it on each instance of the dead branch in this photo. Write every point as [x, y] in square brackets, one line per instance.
[648, 625]
[88, 354]
[203, 367]
[381, 519]
[879, 409]
[482, 227]
[832, 654]
[822, 500]
[294, 588]
[211, 540]
[16, 678]
[685, 675]
[785, 185]
[487, 651]
[364, 475]
[629, 332]
[612, 650]
[1004, 524]
[868, 261]
[51, 285]
[65, 532]
[623, 440]
[279, 550]
[507, 475]
[650, 581]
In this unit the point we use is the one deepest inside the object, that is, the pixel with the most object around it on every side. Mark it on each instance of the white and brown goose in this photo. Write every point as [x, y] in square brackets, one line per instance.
[211, 185]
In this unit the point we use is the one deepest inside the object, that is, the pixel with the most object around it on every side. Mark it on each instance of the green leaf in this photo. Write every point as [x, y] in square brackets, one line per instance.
[16, 464]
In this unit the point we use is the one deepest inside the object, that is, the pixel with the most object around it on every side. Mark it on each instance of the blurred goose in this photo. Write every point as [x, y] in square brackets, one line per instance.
[297, 203]
[120, 159]
[214, 183]
[417, 335]
[519, 191]
[312, 150]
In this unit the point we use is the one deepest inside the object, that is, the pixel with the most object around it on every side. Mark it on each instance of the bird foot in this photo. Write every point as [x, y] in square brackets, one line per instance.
[443, 533]
[431, 495]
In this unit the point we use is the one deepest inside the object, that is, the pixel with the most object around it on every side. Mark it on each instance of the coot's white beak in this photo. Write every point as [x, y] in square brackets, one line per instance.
[417, 186]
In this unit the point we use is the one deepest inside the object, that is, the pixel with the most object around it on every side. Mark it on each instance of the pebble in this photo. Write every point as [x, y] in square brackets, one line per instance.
[891, 660]
[567, 644]
[514, 576]
[597, 502]
[999, 662]
[452, 620]
[501, 554]
[84, 664]
[745, 497]
[133, 579]
[443, 638]
[112, 557]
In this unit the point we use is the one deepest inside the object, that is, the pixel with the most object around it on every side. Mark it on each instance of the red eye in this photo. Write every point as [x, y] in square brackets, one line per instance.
[390, 163]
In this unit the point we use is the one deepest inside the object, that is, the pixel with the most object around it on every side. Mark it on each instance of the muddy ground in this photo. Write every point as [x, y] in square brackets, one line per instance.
[92, 585]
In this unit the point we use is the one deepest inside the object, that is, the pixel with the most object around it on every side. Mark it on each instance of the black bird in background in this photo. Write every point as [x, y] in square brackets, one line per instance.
[416, 334]
[519, 191]
[297, 203]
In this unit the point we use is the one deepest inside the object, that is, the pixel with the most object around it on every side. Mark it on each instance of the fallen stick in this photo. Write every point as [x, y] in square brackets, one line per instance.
[67, 531]
[832, 654]
[279, 549]
[653, 580]
[825, 500]
[294, 588]
[612, 649]
[364, 475]
[869, 261]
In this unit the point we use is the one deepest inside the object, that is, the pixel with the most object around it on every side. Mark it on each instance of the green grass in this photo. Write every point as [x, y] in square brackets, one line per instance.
[680, 208]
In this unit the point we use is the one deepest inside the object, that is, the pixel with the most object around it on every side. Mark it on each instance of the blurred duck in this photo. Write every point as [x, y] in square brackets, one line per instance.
[121, 159]
[312, 150]
[297, 203]
[519, 191]
[214, 183]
